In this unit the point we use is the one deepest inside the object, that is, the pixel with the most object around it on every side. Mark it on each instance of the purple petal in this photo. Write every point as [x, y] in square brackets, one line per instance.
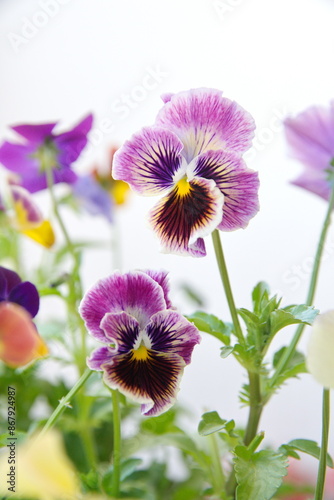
[71, 143]
[311, 180]
[190, 211]
[93, 197]
[37, 181]
[99, 357]
[204, 120]
[236, 181]
[161, 277]
[17, 157]
[8, 280]
[23, 198]
[148, 161]
[120, 329]
[35, 133]
[153, 381]
[26, 295]
[170, 332]
[134, 293]
[310, 136]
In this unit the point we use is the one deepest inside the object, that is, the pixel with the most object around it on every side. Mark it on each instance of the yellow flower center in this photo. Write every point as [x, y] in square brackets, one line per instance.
[141, 353]
[183, 187]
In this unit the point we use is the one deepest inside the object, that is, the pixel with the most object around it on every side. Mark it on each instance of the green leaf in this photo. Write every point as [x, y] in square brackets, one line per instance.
[309, 447]
[295, 367]
[259, 475]
[210, 423]
[211, 324]
[291, 315]
[226, 351]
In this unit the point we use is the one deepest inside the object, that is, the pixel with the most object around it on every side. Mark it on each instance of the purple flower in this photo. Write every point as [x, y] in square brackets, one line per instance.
[93, 197]
[192, 155]
[42, 150]
[310, 136]
[148, 344]
[23, 293]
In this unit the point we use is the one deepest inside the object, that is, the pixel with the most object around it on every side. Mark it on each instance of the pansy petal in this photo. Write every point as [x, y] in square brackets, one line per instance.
[19, 340]
[312, 181]
[99, 357]
[92, 196]
[310, 136]
[319, 357]
[168, 332]
[35, 133]
[26, 295]
[27, 212]
[71, 143]
[18, 158]
[161, 277]
[148, 161]
[42, 234]
[237, 182]
[204, 120]
[8, 280]
[191, 210]
[135, 293]
[120, 329]
[152, 380]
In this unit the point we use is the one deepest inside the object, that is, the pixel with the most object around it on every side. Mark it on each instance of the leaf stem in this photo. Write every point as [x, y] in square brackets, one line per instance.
[63, 403]
[117, 444]
[284, 361]
[226, 284]
[218, 474]
[319, 492]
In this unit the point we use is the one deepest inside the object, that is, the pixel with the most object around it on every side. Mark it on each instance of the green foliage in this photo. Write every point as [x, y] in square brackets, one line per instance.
[211, 422]
[258, 474]
[209, 323]
[306, 446]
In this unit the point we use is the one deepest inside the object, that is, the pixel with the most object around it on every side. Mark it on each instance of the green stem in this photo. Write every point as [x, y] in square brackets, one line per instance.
[319, 491]
[255, 409]
[284, 361]
[218, 474]
[64, 402]
[226, 284]
[117, 444]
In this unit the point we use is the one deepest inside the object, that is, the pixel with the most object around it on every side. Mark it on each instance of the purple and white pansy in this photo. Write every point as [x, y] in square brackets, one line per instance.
[193, 157]
[147, 343]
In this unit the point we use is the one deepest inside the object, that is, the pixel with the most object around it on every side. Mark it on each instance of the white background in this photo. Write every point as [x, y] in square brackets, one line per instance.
[62, 59]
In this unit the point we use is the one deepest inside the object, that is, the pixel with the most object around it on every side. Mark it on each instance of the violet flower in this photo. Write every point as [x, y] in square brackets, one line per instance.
[92, 197]
[42, 149]
[23, 293]
[192, 155]
[148, 344]
[310, 136]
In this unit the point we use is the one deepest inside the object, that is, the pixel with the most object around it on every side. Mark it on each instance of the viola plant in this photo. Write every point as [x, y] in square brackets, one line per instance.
[120, 344]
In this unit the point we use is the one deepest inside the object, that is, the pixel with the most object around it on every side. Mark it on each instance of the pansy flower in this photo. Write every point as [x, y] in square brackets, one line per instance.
[20, 342]
[27, 217]
[310, 136]
[23, 293]
[193, 157]
[320, 352]
[42, 150]
[147, 343]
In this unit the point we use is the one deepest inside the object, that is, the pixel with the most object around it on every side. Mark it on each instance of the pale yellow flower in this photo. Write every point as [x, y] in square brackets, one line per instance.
[320, 353]
[42, 471]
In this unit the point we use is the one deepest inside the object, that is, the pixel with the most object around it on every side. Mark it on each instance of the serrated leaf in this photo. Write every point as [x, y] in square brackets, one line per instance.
[210, 423]
[260, 291]
[259, 475]
[310, 447]
[226, 351]
[209, 323]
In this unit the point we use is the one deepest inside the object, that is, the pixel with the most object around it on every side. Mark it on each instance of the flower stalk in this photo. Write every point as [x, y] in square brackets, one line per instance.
[319, 491]
[117, 444]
